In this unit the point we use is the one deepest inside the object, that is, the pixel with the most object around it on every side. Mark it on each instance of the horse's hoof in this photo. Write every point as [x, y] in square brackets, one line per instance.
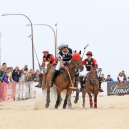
[64, 106]
[56, 106]
[59, 103]
[83, 105]
[75, 101]
[91, 106]
[95, 107]
[47, 105]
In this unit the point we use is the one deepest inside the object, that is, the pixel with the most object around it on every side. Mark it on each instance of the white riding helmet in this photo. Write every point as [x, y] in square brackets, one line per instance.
[60, 46]
[45, 50]
[64, 46]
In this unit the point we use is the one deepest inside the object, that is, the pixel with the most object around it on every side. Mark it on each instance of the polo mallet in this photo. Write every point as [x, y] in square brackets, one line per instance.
[34, 50]
[84, 50]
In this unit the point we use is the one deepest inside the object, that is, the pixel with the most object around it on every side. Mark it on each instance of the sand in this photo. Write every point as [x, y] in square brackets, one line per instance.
[112, 113]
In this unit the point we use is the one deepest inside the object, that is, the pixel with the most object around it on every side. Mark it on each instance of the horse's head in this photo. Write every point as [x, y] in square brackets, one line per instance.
[93, 75]
[46, 66]
[77, 61]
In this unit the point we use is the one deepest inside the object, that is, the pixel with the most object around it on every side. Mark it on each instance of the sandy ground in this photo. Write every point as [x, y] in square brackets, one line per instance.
[112, 113]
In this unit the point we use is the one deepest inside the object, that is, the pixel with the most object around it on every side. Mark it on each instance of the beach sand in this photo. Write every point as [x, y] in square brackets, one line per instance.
[112, 113]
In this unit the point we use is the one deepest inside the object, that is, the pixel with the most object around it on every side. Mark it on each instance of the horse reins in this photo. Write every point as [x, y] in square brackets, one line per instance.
[69, 77]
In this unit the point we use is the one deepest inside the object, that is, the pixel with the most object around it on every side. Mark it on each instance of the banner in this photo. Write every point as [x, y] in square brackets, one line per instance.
[18, 91]
[32, 89]
[115, 88]
[26, 90]
[8, 91]
[1, 92]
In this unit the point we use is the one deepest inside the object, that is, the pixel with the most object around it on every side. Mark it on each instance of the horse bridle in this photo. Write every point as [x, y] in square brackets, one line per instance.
[77, 63]
[91, 79]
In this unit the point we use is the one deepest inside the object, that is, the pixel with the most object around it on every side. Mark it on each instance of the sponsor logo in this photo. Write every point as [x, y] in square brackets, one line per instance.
[115, 89]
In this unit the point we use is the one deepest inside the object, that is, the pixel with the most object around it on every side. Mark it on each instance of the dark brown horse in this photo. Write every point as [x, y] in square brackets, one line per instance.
[63, 82]
[91, 86]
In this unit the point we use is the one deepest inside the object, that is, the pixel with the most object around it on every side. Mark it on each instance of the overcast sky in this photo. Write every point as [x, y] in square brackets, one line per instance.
[103, 24]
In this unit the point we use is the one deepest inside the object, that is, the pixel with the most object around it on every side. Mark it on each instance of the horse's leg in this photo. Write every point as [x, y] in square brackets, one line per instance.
[66, 98]
[77, 92]
[77, 97]
[90, 100]
[69, 100]
[48, 97]
[95, 100]
[58, 98]
[83, 97]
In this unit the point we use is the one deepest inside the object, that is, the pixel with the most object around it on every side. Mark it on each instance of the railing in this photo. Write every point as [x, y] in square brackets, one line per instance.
[17, 91]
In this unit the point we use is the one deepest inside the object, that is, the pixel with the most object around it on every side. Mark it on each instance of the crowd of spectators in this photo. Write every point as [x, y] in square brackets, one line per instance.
[8, 74]
[121, 77]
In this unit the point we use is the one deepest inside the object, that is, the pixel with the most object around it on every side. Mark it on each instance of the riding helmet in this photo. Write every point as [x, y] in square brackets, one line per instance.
[89, 53]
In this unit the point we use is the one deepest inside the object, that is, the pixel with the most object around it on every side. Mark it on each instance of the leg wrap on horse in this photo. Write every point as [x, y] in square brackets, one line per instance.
[53, 77]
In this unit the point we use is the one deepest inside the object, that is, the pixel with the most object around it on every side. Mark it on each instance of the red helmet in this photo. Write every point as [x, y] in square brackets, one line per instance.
[76, 56]
[89, 53]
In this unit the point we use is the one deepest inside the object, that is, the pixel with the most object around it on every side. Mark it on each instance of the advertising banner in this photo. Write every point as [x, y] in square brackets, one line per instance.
[1, 92]
[8, 91]
[115, 88]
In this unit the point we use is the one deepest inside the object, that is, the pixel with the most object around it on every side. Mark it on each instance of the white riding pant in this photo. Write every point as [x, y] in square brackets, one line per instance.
[84, 73]
[58, 66]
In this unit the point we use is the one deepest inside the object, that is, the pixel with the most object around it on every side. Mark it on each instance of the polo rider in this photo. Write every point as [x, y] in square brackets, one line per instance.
[88, 62]
[47, 57]
[64, 56]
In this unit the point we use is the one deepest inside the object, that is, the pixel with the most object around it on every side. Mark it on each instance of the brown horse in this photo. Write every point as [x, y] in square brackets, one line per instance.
[91, 86]
[45, 71]
[62, 81]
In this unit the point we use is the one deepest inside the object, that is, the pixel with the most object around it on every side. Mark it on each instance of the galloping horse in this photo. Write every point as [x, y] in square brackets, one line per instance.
[45, 71]
[63, 81]
[91, 86]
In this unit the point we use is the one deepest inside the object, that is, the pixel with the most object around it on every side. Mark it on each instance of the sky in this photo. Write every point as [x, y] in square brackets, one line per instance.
[103, 24]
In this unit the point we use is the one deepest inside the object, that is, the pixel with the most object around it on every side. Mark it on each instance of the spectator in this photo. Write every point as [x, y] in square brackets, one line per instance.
[123, 74]
[16, 74]
[6, 77]
[109, 79]
[103, 77]
[25, 67]
[33, 76]
[5, 66]
[9, 70]
[29, 77]
[2, 73]
[24, 77]
[121, 78]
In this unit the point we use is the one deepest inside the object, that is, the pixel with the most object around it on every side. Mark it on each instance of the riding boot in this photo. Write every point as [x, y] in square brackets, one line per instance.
[81, 83]
[53, 78]
[101, 90]
[39, 85]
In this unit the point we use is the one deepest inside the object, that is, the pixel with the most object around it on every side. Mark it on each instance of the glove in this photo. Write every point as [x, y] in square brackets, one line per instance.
[64, 67]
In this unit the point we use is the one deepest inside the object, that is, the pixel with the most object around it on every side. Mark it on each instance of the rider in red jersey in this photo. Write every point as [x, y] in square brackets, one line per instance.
[88, 62]
[50, 58]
